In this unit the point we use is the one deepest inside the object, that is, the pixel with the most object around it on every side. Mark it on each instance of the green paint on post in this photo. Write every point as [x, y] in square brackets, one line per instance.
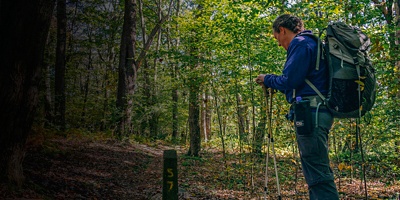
[170, 176]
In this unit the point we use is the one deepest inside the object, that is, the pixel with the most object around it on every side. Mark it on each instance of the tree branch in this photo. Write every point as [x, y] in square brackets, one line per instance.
[151, 38]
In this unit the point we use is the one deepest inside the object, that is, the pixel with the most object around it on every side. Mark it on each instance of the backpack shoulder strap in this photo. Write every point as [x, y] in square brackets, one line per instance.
[319, 44]
[315, 89]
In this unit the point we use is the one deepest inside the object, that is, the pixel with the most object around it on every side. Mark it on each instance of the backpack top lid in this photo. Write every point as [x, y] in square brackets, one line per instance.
[352, 37]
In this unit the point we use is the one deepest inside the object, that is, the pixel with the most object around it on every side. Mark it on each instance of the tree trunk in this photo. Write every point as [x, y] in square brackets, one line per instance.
[175, 94]
[25, 25]
[146, 76]
[194, 112]
[105, 83]
[194, 104]
[127, 69]
[60, 65]
[208, 116]
[240, 116]
[205, 117]
[260, 130]
[203, 123]
[175, 97]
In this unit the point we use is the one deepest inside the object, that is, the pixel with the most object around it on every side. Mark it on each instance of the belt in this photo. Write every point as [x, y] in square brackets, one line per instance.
[314, 101]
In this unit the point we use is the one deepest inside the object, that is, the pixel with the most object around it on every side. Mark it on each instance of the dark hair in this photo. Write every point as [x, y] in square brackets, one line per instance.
[288, 21]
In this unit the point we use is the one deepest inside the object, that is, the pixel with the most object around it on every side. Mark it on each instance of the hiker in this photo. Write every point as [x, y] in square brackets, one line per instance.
[301, 64]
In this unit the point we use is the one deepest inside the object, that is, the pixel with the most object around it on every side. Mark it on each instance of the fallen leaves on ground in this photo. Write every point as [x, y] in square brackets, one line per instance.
[65, 168]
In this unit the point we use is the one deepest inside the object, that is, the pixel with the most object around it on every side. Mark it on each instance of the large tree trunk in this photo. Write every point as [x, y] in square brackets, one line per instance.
[194, 113]
[194, 104]
[60, 64]
[24, 27]
[127, 69]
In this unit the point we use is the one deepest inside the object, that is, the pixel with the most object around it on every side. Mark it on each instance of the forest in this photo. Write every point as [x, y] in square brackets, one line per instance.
[92, 92]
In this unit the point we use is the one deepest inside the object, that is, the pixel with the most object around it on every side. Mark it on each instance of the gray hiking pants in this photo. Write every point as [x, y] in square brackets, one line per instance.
[315, 161]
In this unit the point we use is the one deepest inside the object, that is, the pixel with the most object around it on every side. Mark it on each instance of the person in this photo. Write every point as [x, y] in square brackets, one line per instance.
[300, 65]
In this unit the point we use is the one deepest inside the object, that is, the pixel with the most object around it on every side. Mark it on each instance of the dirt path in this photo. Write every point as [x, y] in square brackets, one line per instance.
[86, 169]
[63, 169]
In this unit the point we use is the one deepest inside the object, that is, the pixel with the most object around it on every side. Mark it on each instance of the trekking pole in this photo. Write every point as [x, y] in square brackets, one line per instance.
[358, 120]
[268, 102]
[272, 143]
[362, 159]
[268, 144]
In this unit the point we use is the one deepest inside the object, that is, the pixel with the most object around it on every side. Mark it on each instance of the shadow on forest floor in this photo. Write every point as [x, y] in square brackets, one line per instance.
[62, 168]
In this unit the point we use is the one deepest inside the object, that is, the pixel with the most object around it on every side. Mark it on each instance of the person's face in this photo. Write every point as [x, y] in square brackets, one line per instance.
[283, 37]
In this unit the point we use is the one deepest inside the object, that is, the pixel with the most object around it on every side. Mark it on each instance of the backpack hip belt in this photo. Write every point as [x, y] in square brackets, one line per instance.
[314, 100]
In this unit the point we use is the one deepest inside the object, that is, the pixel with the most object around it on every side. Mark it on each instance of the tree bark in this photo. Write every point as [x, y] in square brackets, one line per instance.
[60, 65]
[194, 112]
[25, 25]
[194, 104]
[127, 69]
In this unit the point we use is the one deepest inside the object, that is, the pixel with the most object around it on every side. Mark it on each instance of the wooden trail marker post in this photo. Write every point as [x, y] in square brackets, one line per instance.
[170, 176]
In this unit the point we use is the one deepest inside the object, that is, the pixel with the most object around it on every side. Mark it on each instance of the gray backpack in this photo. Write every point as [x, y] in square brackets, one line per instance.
[352, 81]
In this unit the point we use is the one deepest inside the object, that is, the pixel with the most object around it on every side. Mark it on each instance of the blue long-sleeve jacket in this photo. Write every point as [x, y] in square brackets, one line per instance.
[300, 64]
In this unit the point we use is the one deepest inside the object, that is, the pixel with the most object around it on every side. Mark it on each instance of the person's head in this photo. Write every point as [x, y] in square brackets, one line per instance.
[285, 28]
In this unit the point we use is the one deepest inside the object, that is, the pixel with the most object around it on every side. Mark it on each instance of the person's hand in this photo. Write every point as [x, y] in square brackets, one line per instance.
[260, 79]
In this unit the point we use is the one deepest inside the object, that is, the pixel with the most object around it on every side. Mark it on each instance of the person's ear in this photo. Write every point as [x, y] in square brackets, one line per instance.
[281, 29]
